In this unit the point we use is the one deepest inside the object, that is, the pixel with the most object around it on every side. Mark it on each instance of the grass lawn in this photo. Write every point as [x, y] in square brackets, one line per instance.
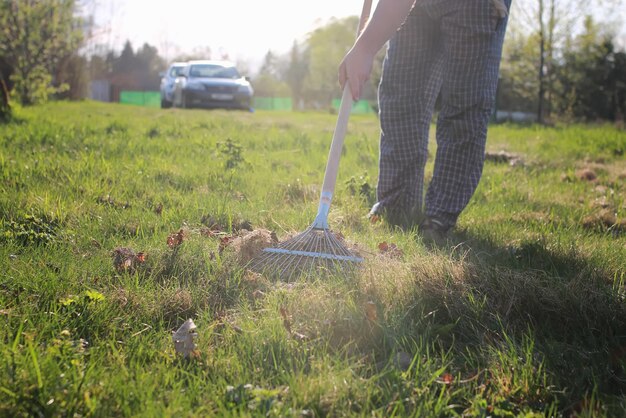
[115, 225]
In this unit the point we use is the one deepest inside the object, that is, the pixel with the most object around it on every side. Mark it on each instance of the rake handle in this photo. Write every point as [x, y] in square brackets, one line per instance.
[334, 155]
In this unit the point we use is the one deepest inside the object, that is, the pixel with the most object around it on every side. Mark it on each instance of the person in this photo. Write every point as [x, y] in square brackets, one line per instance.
[446, 49]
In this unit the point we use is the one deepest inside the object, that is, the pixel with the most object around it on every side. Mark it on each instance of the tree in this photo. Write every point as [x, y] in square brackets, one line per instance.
[592, 76]
[326, 46]
[539, 37]
[5, 106]
[549, 25]
[148, 63]
[126, 61]
[518, 85]
[268, 82]
[296, 73]
[72, 71]
[35, 37]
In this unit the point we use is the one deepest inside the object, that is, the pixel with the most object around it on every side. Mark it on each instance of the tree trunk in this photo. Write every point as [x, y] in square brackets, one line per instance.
[542, 59]
[550, 62]
[5, 106]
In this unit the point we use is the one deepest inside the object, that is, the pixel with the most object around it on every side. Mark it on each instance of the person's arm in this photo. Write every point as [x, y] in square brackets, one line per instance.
[356, 66]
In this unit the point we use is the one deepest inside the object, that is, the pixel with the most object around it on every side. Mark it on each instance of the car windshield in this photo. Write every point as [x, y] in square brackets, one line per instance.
[213, 71]
[176, 71]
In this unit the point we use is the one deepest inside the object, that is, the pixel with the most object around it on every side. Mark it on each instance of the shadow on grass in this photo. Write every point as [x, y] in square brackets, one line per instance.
[572, 310]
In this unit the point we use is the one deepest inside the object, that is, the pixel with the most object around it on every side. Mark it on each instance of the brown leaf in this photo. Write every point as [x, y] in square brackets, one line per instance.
[127, 264]
[225, 241]
[126, 260]
[371, 312]
[447, 379]
[175, 239]
[123, 259]
[390, 250]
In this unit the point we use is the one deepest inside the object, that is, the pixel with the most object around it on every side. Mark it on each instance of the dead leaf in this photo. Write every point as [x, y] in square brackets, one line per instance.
[126, 260]
[447, 379]
[184, 339]
[390, 250]
[175, 239]
[225, 242]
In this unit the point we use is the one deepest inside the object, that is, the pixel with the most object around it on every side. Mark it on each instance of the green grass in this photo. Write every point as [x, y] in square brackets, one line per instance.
[525, 317]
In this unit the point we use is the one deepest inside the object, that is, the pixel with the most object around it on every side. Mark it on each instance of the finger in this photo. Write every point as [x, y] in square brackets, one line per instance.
[355, 88]
[342, 75]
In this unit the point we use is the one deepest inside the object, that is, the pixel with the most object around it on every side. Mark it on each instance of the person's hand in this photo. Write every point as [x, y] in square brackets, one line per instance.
[355, 69]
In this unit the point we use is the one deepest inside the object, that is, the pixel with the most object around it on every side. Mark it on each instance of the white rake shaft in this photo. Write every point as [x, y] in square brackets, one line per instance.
[317, 243]
[332, 166]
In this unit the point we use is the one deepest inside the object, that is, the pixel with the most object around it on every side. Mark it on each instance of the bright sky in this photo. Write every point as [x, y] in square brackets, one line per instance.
[244, 29]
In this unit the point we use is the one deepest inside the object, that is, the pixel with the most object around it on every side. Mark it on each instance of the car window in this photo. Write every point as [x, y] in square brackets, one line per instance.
[213, 71]
[176, 71]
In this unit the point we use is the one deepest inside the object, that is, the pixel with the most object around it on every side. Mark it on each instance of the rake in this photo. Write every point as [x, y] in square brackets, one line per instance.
[317, 249]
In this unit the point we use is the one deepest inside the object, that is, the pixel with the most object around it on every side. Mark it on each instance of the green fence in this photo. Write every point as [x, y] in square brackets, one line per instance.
[153, 99]
[272, 103]
[285, 103]
[141, 98]
[360, 106]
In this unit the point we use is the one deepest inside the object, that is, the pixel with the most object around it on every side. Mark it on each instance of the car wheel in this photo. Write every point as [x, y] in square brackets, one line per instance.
[165, 104]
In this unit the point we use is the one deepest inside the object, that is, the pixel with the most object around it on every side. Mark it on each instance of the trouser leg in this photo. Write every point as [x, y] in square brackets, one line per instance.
[407, 93]
[472, 39]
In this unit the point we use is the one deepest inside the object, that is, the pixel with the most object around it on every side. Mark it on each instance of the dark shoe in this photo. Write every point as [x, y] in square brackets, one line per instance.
[434, 232]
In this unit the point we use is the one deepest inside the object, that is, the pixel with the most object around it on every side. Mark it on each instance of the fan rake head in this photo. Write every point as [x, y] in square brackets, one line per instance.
[316, 251]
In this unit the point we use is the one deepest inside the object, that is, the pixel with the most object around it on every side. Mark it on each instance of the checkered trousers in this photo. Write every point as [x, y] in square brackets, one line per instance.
[449, 49]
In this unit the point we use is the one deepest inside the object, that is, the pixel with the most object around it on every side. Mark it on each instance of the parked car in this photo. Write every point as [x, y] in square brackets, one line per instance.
[212, 84]
[168, 80]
